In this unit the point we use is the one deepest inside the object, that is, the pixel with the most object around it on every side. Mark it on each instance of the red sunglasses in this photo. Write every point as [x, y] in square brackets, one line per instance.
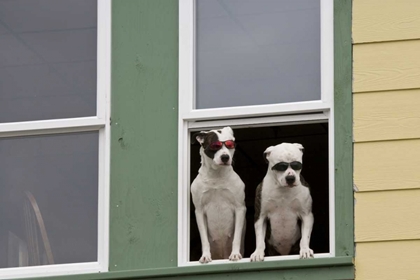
[230, 144]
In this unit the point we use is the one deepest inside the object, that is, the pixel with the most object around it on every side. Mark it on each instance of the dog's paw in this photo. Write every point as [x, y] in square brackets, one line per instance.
[257, 256]
[306, 253]
[235, 256]
[205, 258]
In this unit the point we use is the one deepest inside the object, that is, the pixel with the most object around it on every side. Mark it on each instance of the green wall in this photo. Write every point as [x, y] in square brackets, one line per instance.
[144, 134]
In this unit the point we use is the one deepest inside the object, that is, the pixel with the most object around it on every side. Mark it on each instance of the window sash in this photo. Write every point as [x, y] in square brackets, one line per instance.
[184, 179]
[99, 123]
[277, 114]
[187, 72]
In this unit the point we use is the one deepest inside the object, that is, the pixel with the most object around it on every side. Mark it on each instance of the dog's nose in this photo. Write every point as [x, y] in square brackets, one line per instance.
[290, 179]
[224, 158]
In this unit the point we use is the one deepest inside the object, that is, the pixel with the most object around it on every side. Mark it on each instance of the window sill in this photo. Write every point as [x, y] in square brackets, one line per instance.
[284, 265]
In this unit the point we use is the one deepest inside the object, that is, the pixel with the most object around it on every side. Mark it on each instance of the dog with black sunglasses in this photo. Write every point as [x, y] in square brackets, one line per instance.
[282, 199]
[219, 198]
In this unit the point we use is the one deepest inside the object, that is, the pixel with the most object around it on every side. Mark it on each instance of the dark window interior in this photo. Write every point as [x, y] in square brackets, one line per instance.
[251, 167]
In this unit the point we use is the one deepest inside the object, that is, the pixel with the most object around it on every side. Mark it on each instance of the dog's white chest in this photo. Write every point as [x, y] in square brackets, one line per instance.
[283, 211]
[284, 220]
[217, 197]
[219, 208]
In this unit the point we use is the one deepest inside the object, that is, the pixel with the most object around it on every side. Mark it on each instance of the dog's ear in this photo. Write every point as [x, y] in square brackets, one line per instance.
[300, 147]
[267, 153]
[199, 137]
[228, 129]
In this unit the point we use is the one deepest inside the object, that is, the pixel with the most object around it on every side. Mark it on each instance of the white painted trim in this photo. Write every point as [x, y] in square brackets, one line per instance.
[259, 122]
[103, 57]
[50, 126]
[191, 119]
[327, 51]
[255, 111]
[327, 89]
[186, 67]
[104, 113]
[184, 195]
[100, 123]
[185, 103]
[49, 270]
[331, 182]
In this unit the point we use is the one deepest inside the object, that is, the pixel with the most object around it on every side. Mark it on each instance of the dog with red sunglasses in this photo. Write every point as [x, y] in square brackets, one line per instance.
[219, 198]
[282, 199]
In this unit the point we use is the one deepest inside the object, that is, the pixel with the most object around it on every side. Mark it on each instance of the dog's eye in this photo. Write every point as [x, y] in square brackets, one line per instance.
[216, 145]
[230, 144]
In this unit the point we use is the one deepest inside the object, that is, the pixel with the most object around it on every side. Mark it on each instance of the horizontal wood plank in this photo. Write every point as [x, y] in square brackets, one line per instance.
[386, 115]
[388, 260]
[387, 165]
[386, 66]
[385, 20]
[388, 215]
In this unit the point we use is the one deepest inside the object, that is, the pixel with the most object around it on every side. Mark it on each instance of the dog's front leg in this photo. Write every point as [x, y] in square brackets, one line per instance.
[237, 237]
[202, 228]
[307, 224]
[260, 229]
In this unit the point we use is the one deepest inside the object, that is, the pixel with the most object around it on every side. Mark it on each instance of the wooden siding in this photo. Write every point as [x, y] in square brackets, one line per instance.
[396, 115]
[385, 20]
[386, 66]
[386, 83]
[387, 165]
[383, 216]
[388, 260]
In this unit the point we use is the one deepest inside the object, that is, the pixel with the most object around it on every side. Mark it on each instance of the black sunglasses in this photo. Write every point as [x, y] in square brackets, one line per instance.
[282, 166]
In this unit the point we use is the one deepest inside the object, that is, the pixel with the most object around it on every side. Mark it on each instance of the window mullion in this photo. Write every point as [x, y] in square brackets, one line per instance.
[256, 110]
[51, 126]
[263, 121]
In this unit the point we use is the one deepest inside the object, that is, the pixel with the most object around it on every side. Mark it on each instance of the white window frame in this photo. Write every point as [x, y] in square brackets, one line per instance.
[99, 123]
[192, 119]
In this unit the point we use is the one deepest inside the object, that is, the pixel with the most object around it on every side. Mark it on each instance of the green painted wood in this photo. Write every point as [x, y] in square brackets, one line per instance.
[144, 129]
[344, 219]
[332, 268]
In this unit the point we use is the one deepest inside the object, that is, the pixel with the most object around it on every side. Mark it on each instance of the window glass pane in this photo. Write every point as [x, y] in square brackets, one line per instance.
[252, 52]
[48, 199]
[47, 59]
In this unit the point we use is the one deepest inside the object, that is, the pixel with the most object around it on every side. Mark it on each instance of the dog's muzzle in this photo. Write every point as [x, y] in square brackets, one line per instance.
[225, 158]
[290, 179]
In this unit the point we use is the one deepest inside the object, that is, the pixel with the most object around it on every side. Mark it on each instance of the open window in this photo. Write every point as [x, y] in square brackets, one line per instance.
[264, 68]
[54, 137]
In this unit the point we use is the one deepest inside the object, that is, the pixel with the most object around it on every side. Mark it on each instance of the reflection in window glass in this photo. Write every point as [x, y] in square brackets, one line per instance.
[48, 199]
[257, 52]
[47, 59]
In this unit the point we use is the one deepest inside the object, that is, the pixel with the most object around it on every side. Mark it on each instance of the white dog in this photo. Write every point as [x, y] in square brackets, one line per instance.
[283, 200]
[218, 196]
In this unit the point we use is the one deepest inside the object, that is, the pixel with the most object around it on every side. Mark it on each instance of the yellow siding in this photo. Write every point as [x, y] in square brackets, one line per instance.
[387, 215]
[385, 20]
[387, 115]
[388, 260]
[386, 75]
[386, 66]
[387, 165]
